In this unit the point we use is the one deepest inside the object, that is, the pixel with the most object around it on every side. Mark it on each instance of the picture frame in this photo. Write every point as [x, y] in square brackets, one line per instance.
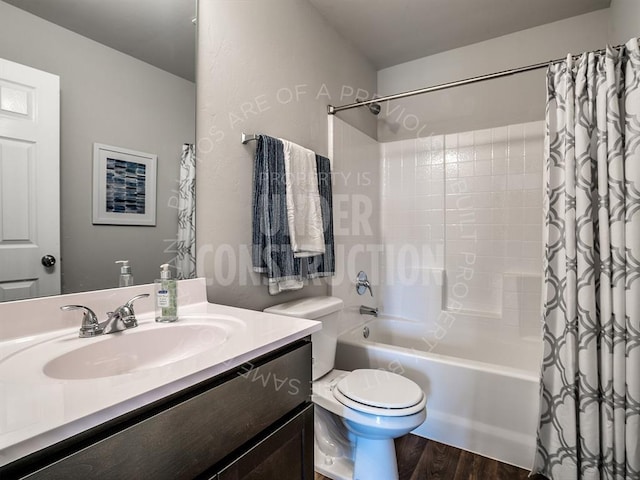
[124, 186]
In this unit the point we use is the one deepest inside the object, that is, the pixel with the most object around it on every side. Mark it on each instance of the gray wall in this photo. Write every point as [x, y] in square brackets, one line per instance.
[625, 21]
[515, 99]
[263, 67]
[106, 97]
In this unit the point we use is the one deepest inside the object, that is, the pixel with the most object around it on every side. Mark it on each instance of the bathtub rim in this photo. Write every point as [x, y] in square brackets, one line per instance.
[354, 336]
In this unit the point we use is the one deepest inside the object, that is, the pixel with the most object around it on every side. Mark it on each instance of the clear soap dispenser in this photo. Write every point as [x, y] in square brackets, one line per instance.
[126, 278]
[166, 296]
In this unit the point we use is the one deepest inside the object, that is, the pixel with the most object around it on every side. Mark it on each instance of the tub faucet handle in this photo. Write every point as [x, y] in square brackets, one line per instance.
[362, 284]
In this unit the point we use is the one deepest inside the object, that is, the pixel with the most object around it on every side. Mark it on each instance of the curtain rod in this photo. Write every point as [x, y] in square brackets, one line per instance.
[331, 110]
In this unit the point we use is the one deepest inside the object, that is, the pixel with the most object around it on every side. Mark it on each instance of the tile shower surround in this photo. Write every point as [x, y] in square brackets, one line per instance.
[468, 204]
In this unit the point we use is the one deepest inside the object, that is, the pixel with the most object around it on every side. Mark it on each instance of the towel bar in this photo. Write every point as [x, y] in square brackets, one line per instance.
[248, 137]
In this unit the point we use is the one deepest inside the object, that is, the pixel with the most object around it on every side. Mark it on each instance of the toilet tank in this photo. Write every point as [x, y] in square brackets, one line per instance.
[323, 309]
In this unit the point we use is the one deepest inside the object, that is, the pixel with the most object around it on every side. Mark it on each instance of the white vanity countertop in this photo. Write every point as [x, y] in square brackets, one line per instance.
[38, 411]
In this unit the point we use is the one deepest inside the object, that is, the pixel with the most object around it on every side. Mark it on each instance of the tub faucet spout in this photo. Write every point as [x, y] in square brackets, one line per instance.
[364, 310]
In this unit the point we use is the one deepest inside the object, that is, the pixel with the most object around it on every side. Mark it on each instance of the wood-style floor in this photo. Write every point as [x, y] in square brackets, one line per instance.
[422, 459]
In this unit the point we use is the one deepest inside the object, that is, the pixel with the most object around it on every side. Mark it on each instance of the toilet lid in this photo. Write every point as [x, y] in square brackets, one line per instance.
[380, 392]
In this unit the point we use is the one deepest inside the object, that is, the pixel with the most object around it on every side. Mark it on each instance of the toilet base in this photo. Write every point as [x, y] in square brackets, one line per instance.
[335, 468]
[347, 451]
[375, 458]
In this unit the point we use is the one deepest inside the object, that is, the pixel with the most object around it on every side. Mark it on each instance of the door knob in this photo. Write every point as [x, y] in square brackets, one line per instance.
[48, 261]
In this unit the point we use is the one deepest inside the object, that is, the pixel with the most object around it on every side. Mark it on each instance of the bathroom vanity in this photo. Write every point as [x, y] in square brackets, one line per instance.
[240, 409]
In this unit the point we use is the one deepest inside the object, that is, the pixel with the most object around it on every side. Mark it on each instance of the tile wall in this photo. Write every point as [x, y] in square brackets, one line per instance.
[459, 213]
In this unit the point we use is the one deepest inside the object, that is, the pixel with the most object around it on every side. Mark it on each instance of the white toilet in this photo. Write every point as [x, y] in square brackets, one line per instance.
[374, 405]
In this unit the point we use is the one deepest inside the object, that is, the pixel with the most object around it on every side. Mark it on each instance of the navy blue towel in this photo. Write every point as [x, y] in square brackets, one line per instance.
[271, 249]
[324, 265]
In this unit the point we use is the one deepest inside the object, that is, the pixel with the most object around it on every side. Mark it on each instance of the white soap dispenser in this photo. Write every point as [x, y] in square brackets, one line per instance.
[166, 296]
[126, 278]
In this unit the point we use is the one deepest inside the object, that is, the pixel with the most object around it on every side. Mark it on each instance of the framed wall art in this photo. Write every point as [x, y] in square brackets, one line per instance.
[124, 186]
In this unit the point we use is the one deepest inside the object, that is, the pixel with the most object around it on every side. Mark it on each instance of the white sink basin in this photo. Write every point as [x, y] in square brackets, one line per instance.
[134, 350]
[149, 346]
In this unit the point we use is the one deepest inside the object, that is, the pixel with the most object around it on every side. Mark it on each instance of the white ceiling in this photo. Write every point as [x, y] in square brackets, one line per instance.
[159, 32]
[388, 32]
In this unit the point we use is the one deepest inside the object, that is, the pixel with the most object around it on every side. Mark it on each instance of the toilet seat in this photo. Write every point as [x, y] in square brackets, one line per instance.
[378, 392]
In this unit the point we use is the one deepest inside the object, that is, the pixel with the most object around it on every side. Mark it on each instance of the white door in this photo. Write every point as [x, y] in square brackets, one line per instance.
[29, 182]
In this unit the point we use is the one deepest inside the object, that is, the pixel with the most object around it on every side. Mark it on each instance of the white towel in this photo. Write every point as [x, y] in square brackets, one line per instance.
[304, 213]
[279, 286]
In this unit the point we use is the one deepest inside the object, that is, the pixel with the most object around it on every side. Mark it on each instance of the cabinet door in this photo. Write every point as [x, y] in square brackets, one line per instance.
[286, 454]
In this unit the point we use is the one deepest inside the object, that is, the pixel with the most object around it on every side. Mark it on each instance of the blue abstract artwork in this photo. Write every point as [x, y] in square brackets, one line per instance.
[126, 187]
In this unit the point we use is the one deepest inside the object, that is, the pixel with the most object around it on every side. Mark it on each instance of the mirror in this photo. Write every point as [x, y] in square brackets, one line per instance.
[142, 100]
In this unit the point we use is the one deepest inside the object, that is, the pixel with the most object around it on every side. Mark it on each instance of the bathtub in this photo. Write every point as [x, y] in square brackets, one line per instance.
[482, 381]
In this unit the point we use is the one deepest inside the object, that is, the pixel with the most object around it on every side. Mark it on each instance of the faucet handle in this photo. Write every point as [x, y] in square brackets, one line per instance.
[90, 326]
[362, 284]
[137, 297]
[126, 311]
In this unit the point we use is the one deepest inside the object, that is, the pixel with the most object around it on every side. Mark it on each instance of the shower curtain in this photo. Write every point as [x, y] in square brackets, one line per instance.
[186, 243]
[589, 424]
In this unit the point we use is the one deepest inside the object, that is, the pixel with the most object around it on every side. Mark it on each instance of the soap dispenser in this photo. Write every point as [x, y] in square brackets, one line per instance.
[126, 279]
[166, 296]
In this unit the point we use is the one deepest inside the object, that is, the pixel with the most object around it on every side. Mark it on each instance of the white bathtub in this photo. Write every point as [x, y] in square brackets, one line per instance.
[481, 381]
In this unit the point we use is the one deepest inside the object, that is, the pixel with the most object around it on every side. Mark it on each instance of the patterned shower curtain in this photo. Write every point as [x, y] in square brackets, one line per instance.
[590, 389]
[186, 244]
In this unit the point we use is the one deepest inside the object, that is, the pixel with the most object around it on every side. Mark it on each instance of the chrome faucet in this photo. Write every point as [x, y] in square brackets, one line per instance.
[123, 317]
[120, 319]
[90, 326]
[364, 310]
[362, 284]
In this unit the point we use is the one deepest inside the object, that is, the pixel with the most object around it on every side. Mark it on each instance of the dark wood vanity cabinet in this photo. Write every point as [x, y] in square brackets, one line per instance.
[285, 454]
[254, 422]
